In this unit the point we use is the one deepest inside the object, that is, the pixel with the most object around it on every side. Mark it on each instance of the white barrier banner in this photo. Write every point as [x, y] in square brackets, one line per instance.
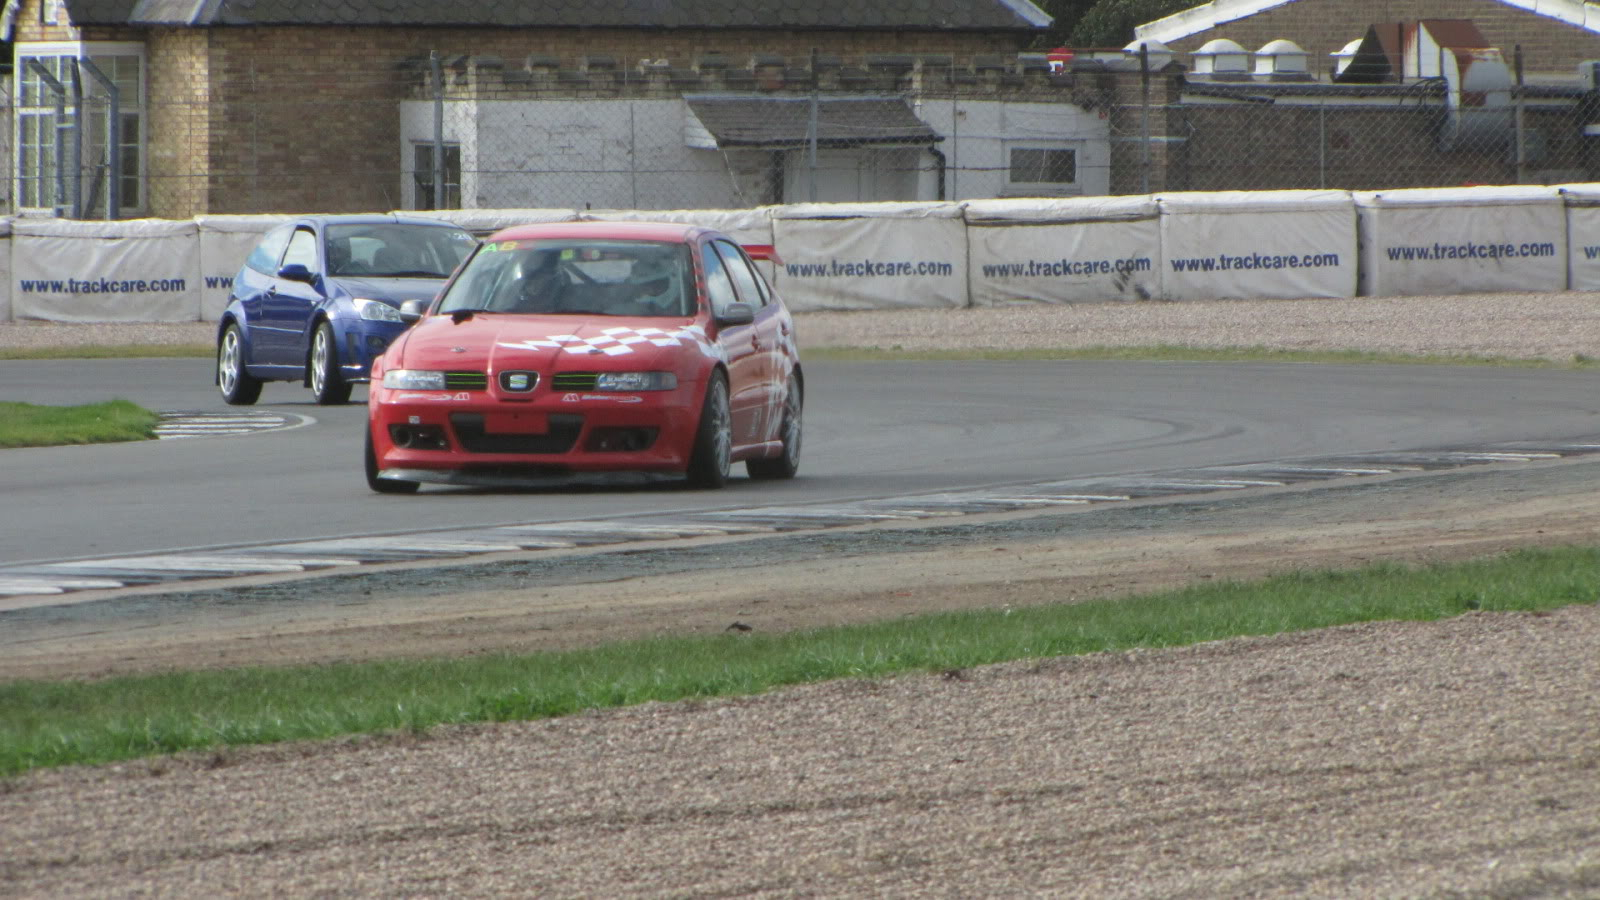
[1582, 202]
[5, 270]
[225, 241]
[1074, 250]
[745, 226]
[136, 270]
[1247, 245]
[840, 256]
[1422, 241]
[484, 222]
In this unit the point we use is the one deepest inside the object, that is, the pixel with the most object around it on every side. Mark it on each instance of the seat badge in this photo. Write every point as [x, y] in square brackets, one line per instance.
[458, 349]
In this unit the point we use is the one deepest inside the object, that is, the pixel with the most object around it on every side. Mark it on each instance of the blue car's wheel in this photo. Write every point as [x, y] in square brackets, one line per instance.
[327, 384]
[238, 388]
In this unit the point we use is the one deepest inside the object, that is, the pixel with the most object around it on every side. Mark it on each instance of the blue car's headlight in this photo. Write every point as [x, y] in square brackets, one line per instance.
[636, 381]
[377, 311]
[413, 380]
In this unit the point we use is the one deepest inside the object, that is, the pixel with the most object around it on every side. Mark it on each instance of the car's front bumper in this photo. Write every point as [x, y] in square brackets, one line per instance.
[471, 437]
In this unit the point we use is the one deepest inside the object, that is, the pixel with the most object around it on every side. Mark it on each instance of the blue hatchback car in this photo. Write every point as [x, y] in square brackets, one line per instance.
[318, 299]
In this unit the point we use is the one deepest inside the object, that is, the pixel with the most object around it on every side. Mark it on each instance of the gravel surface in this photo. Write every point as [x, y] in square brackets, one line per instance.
[1450, 759]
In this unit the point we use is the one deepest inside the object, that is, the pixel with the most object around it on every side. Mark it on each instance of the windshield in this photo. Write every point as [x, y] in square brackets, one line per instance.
[576, 277]
[396, 250]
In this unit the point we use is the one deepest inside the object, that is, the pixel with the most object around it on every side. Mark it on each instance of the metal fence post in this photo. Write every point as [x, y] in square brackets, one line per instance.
[1144, 117]
[436, 75]
[1517, 124]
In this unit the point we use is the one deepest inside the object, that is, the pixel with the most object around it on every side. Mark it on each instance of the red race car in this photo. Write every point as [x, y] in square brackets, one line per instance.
[591, 351]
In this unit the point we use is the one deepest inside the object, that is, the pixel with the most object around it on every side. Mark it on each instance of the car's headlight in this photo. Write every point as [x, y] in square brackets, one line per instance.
[636, 381]
[413, 380]
[377, 311]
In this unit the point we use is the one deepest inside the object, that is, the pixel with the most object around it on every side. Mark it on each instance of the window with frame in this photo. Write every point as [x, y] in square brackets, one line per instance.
[47, 127]
[1052, 166]
[422, 176]
[743, 276]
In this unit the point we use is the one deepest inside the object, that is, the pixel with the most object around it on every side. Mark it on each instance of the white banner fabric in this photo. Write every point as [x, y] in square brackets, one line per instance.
[134, 270]
[1073, 250]
[1428, 241]
[745, 226]
[1246, 245]
[1582, 203]
[484, 222]
[875, 261]
[225, 241]
[5, 270]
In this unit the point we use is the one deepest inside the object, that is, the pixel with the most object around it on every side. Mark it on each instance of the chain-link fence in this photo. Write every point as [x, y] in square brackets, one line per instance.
[432, 131]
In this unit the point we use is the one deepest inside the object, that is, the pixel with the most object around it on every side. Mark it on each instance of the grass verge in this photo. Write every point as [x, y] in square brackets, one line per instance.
[46, 724]
[29, 425]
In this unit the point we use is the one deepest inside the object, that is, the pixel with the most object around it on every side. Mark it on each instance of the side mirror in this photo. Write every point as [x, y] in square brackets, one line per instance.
[412, 310]
[296, 272]
[736, 314]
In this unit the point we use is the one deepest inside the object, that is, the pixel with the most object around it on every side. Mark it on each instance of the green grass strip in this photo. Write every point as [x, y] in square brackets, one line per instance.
[60, 723]
[28, 425]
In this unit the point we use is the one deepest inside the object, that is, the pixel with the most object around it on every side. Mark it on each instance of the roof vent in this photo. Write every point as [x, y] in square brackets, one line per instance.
[1158, 54]
[1281, 60]
[1221, 58]
[1343, 56]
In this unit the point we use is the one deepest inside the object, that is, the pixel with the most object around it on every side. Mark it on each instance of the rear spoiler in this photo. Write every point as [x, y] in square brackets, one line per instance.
[763, 251]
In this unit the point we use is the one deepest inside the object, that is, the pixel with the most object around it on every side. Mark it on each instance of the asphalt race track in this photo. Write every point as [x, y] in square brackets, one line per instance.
[286, 470]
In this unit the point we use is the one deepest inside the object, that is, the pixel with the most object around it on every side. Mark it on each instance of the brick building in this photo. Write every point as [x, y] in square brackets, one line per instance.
[242, 106]
[1370, 94]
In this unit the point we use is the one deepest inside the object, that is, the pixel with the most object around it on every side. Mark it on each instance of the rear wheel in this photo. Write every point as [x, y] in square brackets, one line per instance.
[327, 385]
[787, 463]
[384, 485]
[713, 440]
[238, 388]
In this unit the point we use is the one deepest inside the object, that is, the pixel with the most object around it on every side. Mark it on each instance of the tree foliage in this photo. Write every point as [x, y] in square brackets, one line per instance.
[1110, 23]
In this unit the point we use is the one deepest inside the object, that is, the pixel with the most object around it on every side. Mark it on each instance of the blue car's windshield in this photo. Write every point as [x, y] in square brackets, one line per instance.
[576, 277]
[396, 250]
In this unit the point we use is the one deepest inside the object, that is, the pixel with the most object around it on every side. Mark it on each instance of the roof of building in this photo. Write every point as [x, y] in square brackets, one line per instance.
[811, 15]
[777, 122]
[1206, 16]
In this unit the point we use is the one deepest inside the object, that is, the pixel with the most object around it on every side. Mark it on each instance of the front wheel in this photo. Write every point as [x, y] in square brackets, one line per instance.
[327, 384]
[384, 485]
[238, 388]
[713, 439]
[786, 464]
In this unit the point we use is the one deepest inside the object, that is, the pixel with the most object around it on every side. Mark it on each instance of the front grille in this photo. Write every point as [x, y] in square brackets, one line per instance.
[466, 381]
[562, 434]
[573, 381]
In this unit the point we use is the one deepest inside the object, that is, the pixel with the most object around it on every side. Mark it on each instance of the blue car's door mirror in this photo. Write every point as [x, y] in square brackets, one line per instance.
[296, 272]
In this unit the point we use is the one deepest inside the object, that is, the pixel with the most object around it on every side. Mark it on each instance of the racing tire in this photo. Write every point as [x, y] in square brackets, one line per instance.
[712, 456]
[322, 369]
[787, 463]
[384, 485]
[237, 386]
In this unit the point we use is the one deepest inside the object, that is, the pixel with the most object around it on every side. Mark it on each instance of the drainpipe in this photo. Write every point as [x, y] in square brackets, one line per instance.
[940, 166]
